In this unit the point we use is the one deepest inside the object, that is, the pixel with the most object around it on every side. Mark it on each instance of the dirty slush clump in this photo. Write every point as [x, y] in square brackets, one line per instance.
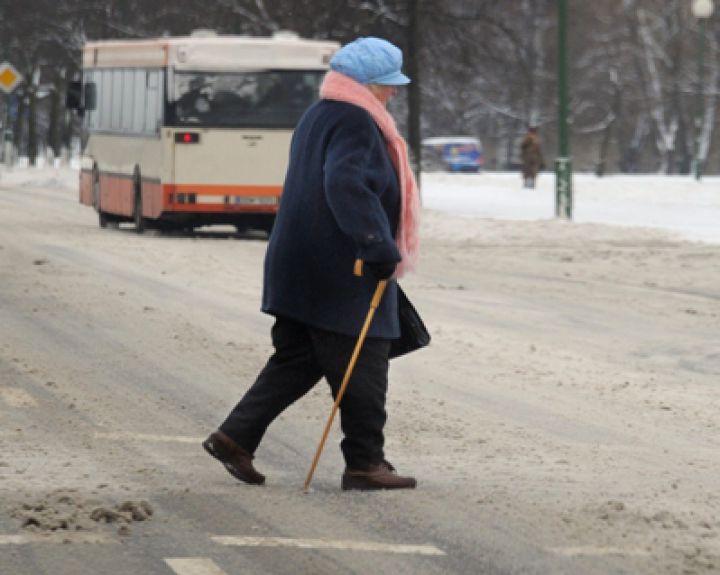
[64, 511]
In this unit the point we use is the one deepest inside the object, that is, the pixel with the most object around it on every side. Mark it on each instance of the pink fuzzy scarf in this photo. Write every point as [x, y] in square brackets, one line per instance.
[337, 86]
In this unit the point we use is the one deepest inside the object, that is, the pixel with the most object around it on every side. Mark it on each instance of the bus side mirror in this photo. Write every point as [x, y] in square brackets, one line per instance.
[90, 96]
[72, 97]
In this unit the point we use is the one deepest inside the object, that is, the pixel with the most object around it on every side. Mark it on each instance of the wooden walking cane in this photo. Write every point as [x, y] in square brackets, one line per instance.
[375, 302]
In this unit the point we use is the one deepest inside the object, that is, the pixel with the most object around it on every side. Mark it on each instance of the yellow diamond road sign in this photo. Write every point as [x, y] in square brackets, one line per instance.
[9, 77]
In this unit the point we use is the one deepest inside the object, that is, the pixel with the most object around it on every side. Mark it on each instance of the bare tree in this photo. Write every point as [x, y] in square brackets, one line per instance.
[479, 67]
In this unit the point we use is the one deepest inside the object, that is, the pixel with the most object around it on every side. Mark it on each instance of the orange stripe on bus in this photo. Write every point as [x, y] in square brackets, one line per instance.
[222, 190]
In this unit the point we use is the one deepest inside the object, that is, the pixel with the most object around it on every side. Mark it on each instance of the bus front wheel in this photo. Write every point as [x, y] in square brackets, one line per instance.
[102, 217]
[138, 219]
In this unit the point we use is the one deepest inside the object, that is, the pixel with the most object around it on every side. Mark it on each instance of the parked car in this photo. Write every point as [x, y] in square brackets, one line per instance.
[453, 154]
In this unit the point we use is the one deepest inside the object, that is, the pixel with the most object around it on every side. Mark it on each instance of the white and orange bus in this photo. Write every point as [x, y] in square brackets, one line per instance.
[189, 131]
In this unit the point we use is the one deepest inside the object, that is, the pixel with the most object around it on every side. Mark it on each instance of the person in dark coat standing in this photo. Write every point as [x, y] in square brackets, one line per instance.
[532, 158]
[348, 218]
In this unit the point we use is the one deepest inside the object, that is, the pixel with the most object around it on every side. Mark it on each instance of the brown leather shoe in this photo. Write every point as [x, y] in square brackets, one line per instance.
[382, 476]
[236, 460]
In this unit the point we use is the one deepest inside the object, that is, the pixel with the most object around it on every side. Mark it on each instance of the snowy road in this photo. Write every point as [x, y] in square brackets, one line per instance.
[563, 421]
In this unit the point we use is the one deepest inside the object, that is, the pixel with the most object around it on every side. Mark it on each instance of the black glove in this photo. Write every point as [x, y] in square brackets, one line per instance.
[380, 270]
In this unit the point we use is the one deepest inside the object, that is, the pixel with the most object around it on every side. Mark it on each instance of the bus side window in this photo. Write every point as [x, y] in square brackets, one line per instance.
[153, 103]
[117, 103]
[128, 105]
[139, 103]
[106, 99]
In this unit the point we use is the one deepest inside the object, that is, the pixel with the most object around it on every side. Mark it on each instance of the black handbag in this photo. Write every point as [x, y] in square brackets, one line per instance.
[413, 333]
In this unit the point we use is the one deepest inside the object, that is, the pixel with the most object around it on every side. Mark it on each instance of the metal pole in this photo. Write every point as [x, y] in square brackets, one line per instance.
[4, 120]
[6, 141]
[414, 95]
[563, 164]
[699, 120]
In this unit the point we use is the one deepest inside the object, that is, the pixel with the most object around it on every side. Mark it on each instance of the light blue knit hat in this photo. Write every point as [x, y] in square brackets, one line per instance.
[370, 61]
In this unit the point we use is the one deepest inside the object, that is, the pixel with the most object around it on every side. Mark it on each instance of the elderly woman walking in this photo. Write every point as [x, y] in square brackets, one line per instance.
[349, 206]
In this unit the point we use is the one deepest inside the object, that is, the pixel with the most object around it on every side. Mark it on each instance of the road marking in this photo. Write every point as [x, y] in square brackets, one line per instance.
[193, 566]
[54, 537]
[148, 437]
[598, 551]
[16, 397]
[327, 544]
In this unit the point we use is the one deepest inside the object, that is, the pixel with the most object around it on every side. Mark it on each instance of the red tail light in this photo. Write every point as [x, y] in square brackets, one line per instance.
[187, 137]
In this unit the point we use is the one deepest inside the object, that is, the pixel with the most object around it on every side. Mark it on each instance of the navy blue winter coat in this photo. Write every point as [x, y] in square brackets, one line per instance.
[340, 202]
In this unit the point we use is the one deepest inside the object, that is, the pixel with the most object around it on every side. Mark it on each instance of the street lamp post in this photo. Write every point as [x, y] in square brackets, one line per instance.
[563, 165]
[702, 10]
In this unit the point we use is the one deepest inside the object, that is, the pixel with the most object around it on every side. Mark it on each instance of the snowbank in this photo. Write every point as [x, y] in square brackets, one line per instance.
[677, 204]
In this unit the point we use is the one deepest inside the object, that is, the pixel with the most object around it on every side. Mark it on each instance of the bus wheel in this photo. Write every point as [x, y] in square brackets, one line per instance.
[102, 217]
[138, 219]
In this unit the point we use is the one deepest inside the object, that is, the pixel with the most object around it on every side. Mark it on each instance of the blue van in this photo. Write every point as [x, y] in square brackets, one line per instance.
[453, 154]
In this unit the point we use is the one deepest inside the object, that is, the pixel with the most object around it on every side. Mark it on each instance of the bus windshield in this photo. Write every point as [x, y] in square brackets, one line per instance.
[255, 99]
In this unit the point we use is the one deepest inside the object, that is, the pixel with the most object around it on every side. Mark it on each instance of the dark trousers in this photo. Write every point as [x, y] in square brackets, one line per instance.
[302, 356]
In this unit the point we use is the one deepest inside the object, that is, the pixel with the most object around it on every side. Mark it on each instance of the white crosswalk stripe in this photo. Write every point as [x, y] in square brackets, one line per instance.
[148, 437]
[193, 566]
[592, 550]
[328, 544]
[55, 537]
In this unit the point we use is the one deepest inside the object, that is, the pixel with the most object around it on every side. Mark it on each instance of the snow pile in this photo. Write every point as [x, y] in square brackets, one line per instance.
[45, 176]
[677, 204]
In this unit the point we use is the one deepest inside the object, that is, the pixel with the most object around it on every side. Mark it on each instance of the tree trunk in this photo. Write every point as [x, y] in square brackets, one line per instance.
[708, 121]
[604, 146]
[53, 138]
[19, 123]
[412, 58]
[32, 128]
